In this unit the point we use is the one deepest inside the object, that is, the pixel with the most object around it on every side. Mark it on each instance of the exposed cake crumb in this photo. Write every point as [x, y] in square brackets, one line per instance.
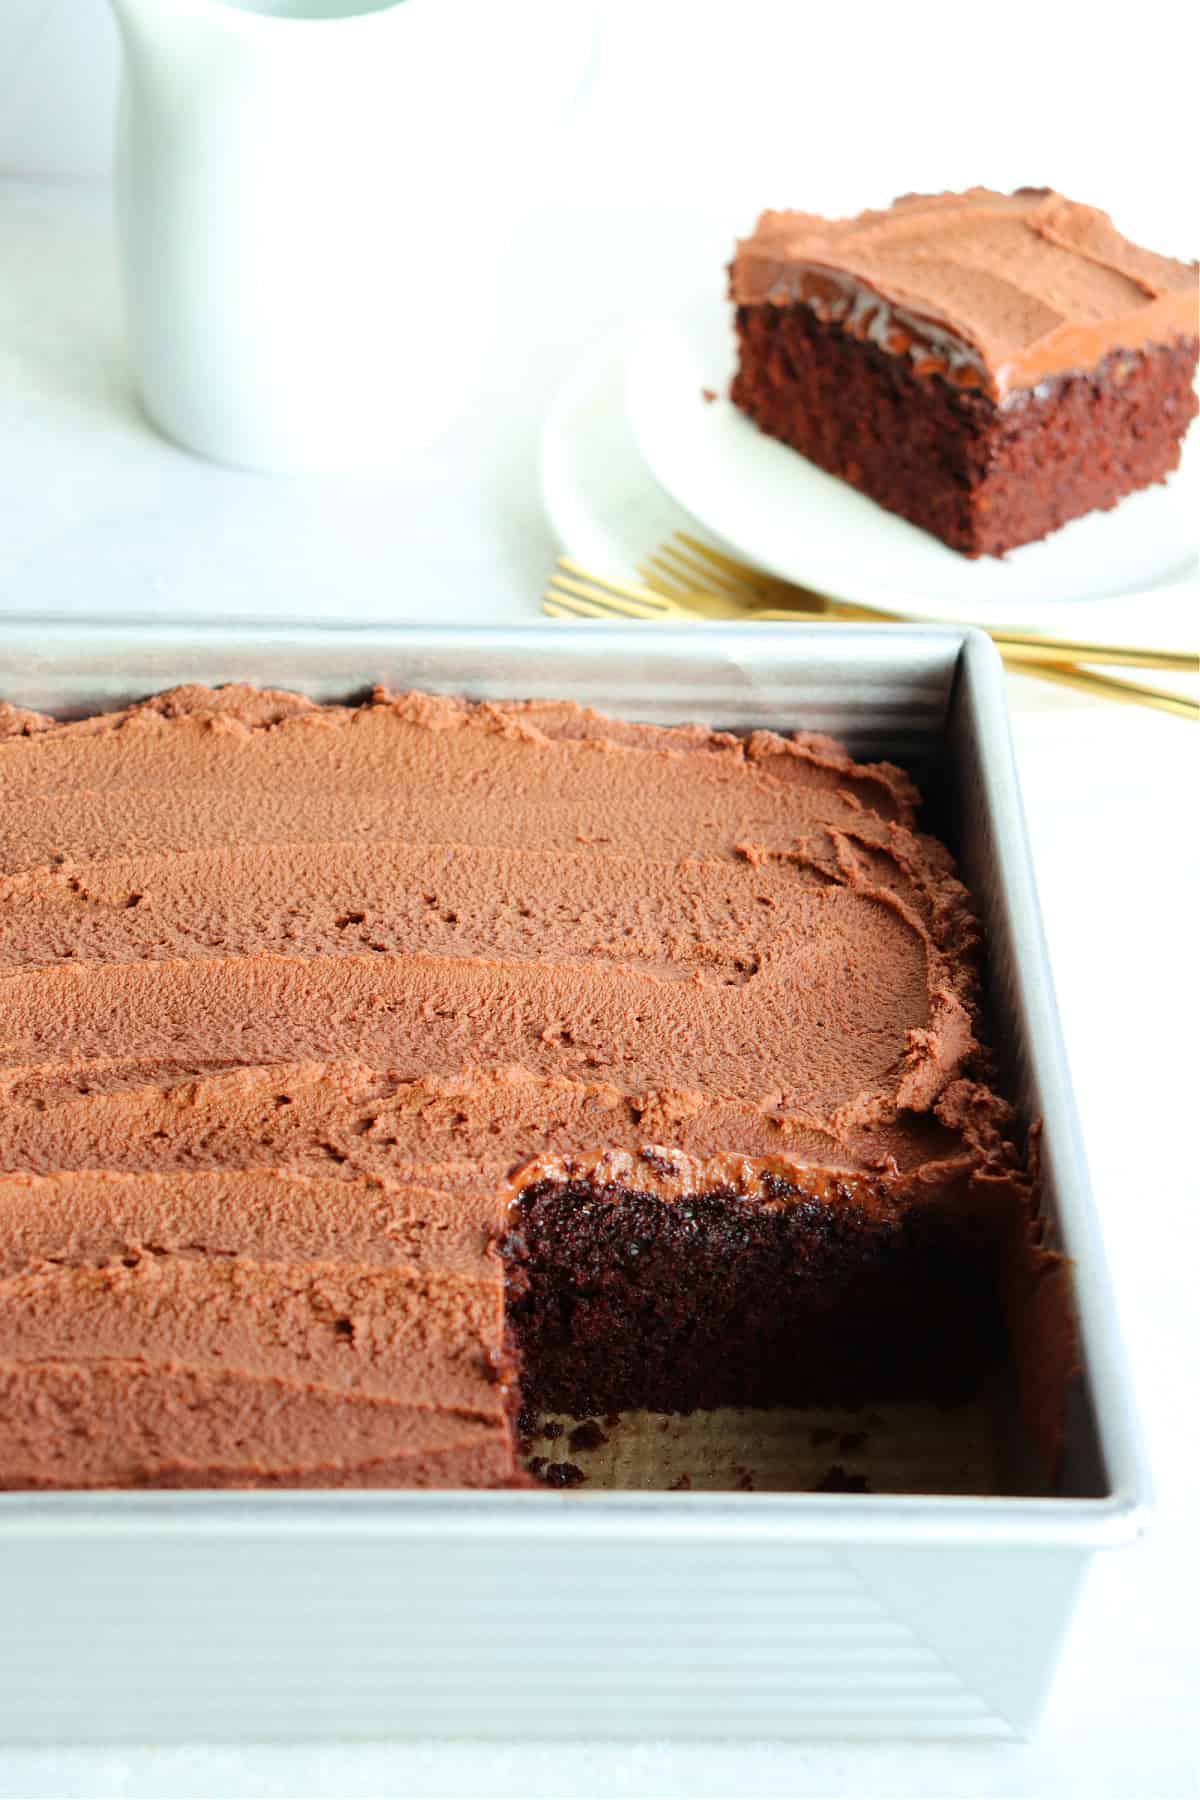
[563, 1474]
[837, 1480]
[586, 1436]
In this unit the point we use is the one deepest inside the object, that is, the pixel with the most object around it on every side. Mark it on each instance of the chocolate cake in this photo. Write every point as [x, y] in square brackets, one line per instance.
[370, 1072]
[989, 366]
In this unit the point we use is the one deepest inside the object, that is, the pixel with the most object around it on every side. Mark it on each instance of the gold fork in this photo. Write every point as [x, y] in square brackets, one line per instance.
[733, 591]
[675, 568]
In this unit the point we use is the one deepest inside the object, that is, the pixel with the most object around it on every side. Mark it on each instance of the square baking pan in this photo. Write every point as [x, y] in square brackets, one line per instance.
[625, 1614]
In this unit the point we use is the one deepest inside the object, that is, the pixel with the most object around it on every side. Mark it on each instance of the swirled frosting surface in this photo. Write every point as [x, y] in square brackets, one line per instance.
[995, 291]
[289, 992]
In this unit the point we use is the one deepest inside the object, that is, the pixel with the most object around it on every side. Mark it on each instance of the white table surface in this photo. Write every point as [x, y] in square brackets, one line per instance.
[98, 515]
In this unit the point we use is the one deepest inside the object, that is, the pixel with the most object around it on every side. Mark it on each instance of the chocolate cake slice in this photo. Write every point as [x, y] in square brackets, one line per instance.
[989, 366]
[370, 1073]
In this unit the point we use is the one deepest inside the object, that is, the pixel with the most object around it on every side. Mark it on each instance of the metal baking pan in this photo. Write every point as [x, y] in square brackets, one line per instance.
[598, 1614]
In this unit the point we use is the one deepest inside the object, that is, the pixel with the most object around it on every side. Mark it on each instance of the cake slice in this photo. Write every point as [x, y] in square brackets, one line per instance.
[987, 365]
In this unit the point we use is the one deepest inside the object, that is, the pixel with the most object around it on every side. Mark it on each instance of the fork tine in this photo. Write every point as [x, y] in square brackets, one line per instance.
[666, 573]
[792, 603]
[575, 577]
[624, 596]
[720, 559]
[570, 606]
[748, 587]
[666, 583]
[757, 581]
[566, 609]
[773, 588]
[681, 567]
[602, 603]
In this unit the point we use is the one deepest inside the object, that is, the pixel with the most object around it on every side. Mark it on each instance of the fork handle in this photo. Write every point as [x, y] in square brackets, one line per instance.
[1110, 687]
[1027, 646]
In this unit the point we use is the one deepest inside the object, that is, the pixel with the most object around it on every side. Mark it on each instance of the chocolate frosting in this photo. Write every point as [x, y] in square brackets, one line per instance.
[993, 291]
[288, 993]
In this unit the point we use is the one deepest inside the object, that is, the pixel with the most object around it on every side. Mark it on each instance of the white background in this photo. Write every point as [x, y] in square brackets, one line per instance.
[693, 117]
[763, 103]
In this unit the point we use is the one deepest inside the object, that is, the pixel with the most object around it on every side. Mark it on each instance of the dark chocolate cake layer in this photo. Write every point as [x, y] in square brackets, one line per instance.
[988, 366]
[668, 1283]
[351, 1058]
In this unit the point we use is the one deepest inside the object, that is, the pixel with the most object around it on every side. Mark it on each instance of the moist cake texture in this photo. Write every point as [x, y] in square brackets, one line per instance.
[987, 365]
[367, 1071]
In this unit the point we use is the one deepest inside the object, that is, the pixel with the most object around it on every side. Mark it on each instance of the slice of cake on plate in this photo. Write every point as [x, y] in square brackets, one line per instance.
[987, 365]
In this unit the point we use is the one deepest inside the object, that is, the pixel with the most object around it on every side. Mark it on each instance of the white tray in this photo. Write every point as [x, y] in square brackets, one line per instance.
[171, 1616]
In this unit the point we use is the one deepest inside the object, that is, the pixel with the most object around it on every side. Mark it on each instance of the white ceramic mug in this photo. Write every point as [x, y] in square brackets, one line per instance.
[311, 197]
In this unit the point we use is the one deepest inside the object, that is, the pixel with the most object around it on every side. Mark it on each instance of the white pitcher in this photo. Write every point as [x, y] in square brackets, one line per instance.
[311, 196]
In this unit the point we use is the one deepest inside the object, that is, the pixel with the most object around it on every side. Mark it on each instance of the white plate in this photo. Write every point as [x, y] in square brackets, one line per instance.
[788, 516]
[601, 501]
